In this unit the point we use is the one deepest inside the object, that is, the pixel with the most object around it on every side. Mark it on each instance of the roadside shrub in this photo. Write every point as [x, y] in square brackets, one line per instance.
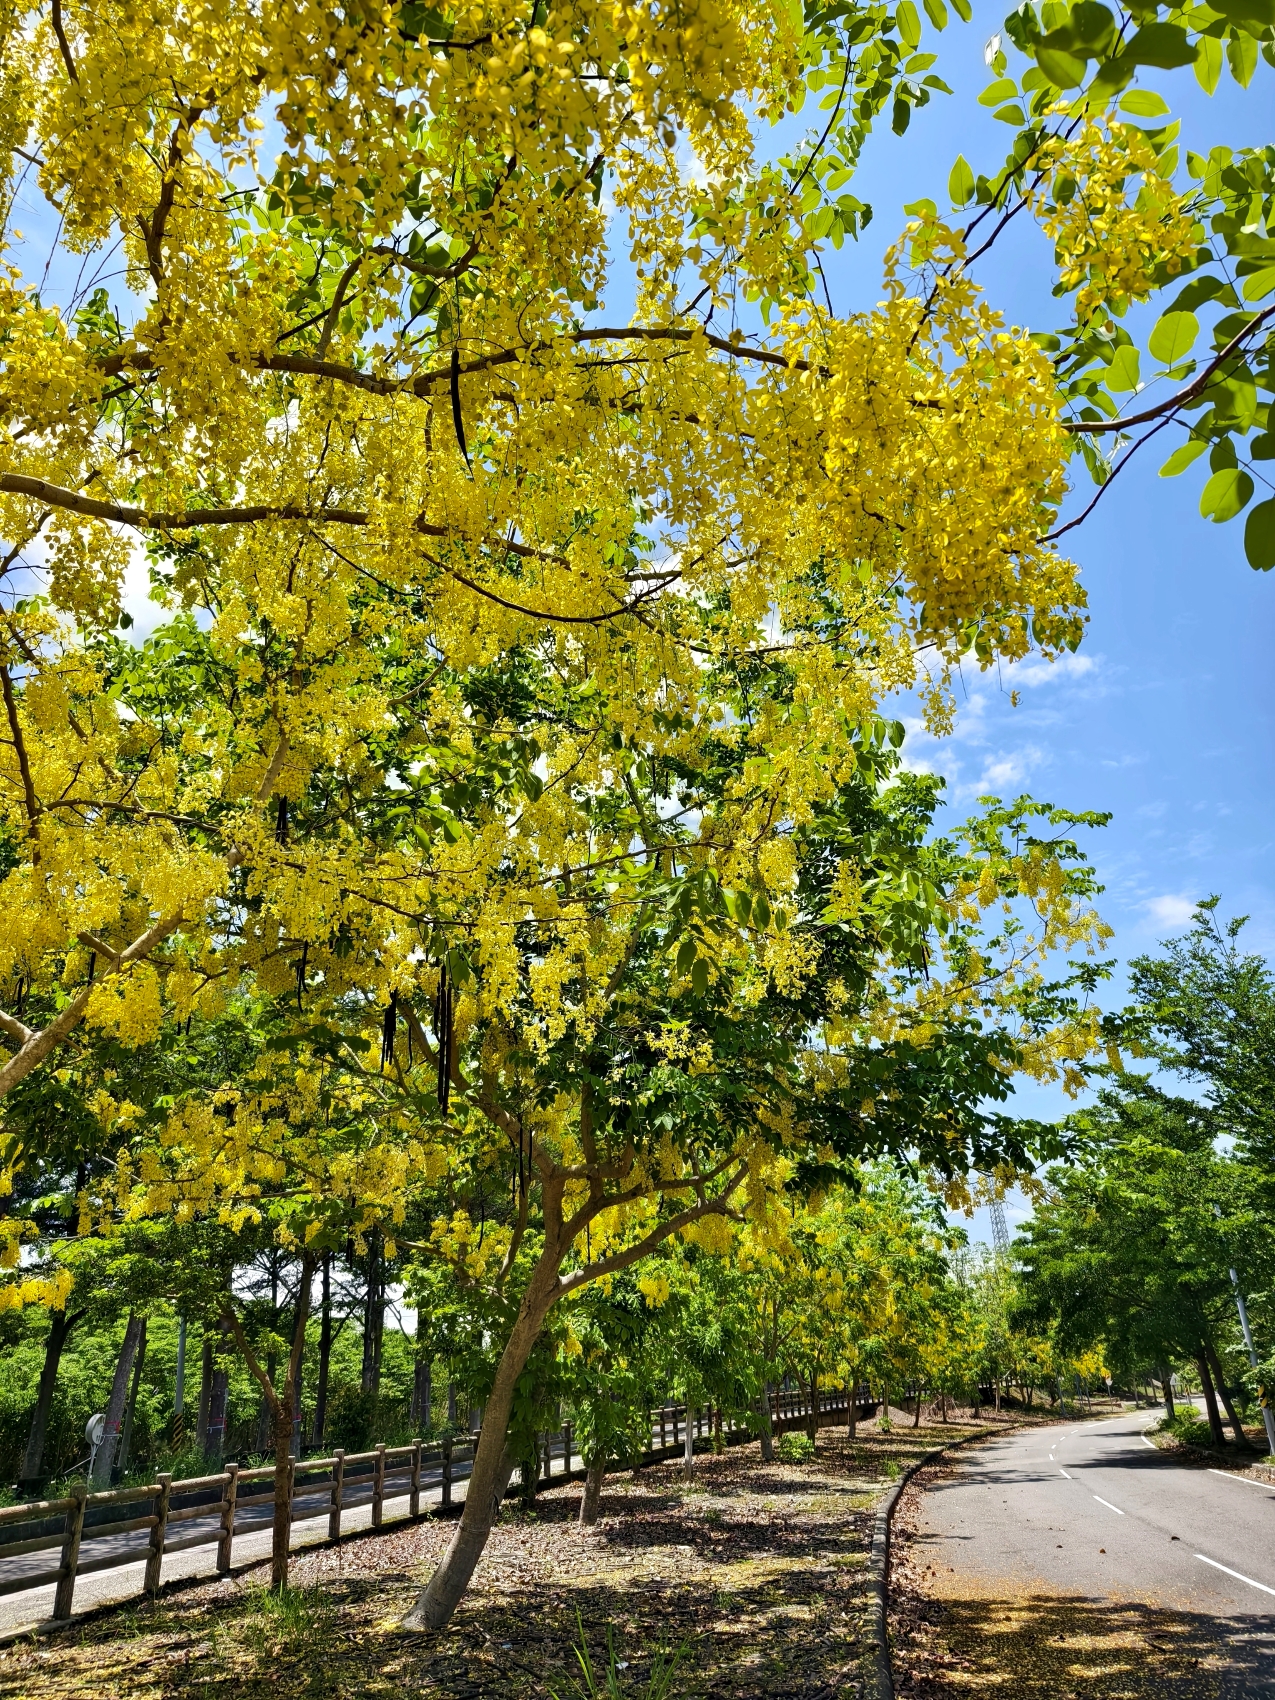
[1187, 1426]
[796, 1448]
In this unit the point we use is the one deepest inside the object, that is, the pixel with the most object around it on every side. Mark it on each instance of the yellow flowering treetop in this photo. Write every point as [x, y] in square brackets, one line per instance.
[353, 396]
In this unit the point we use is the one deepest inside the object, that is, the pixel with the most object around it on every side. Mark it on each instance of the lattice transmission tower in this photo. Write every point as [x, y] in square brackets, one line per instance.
[1000, 1228]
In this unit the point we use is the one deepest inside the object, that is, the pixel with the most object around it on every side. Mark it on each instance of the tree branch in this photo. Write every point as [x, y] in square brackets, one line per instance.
[267, 1386]
[632, 1254]
[16, 1029]
[1196, 387]
[24, 765]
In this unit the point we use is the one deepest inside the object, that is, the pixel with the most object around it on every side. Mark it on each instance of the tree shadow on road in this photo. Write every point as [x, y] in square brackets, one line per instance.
[1047, 1647]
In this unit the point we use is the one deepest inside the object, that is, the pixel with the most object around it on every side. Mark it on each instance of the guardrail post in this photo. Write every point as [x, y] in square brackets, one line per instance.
[338, 1494]
[447, 1470]
[378, 1487]
[226, 1539]
[663, 1427]
[159, 1532]
[416, 1478]
[70, 1553]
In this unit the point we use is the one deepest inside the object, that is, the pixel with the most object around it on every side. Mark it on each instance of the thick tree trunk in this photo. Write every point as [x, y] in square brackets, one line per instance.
[767, 1432]
[493, 1464]
[1219, 1376]
[1210, 1401]
[1166, 1383]
[104, 1462]
[373, 1316]
[218, 1400]
[126, 1437]
[205, 1393]
[591, 1498]
[812, 1413]
[60, 1326]
[688, 1440]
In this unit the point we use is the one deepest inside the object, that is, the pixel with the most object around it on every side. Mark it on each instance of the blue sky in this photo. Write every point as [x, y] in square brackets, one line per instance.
[1164, 716]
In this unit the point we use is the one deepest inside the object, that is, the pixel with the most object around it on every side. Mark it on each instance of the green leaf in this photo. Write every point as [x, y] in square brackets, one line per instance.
[1092, 23]
[761, 912]
[699, 976]
[963, 9]
[1259, 536]
[1122, 374]
[1163, 45]
[1261, 283]
[1241, 56]
[1183, 456]
[1259, 12]
[908, 24]
[1064, 70]
[1226, 494]
[1174, 337]
[936, 12]
[960, 183]
[1208, 66]
[1004, 88]
[686, 956]
[1144, 103]
[1011, 115]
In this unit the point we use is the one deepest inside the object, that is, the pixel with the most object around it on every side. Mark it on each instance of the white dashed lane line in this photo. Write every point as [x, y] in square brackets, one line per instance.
[1238, 1575]
[1062, 1472]
[1109, 1505]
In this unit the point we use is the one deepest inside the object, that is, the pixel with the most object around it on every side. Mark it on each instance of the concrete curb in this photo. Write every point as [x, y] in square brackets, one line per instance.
[878, 1642]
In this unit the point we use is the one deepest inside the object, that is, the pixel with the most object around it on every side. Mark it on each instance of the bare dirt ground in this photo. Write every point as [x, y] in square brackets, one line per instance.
[758, 1569]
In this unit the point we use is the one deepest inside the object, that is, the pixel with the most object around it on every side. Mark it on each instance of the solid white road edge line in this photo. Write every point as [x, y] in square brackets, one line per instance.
[1146, 1442]
[1237, 1575]
[1109, 1505]
[1247, 1480]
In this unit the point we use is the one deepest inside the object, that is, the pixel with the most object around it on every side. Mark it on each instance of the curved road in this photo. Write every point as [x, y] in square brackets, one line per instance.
[1094, 1509]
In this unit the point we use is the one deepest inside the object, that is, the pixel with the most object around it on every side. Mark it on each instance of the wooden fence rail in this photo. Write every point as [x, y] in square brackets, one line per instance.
[85, 1529]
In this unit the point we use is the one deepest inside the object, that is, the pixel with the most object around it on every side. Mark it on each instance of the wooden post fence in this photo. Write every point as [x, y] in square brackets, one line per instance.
[70, 1553]
[226, 1541]
[446, 1495]
[159, 1533]
[338, 1494]
[378, 1487]
[416, 1479]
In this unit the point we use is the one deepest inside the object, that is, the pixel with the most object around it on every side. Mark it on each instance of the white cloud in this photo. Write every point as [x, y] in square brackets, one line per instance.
[1168, 911]
[1035, 671]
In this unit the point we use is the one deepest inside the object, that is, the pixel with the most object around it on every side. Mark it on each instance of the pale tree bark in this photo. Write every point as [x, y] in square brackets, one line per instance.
[282, 1409]
[105, 1459]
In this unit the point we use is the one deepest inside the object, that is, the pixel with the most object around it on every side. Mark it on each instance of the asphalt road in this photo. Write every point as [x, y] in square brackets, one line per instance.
[1095, 1510]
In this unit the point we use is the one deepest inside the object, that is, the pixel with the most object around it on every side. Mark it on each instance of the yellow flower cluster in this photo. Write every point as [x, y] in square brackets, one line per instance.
[1106, 200]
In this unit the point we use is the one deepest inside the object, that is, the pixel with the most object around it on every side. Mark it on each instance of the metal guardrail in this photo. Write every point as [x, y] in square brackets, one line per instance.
[89, 1531]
